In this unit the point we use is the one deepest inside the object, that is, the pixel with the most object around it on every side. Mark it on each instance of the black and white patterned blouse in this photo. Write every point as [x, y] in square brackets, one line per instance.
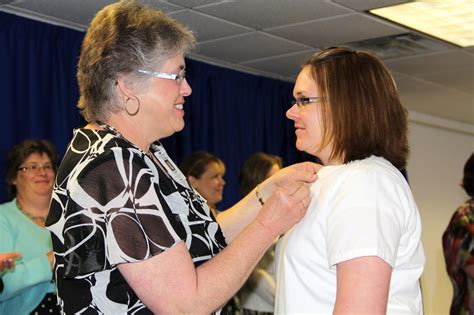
[113, 204]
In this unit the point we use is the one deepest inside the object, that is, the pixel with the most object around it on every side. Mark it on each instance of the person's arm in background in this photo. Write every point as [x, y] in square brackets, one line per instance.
[7, 261]
[234, 219]
[466, 248]
[27, 272]
[169, 283]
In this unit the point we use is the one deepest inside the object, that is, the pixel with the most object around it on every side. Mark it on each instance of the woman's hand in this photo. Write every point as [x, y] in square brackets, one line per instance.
[290, 178]
[284, 209]
[7, 260]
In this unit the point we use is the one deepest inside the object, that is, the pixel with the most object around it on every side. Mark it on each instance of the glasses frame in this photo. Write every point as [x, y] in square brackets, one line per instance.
[180, 77]
[36, 168]
[303, 101]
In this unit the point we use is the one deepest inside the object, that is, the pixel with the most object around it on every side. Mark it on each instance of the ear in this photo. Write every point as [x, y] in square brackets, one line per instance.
[193, 181]
[124, 87]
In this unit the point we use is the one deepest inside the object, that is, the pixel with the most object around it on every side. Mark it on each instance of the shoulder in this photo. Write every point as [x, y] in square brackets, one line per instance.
[370, 174]
[8, 210]
[92, 150]
[463, 215]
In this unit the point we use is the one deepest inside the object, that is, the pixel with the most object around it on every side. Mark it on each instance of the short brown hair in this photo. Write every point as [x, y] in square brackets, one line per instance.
[19, 153]
[122, 38]
[362, 114]
[255, 170]
[197, 162]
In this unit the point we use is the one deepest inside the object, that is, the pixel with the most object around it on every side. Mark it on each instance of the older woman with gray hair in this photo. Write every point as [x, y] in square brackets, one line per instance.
[130, 235]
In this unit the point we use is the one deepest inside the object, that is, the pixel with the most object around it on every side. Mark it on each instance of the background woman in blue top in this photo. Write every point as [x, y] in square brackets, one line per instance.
[30, 173]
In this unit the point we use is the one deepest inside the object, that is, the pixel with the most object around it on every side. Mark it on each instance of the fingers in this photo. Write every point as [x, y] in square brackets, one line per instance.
[305, 202]
[309, 167]
[7, 264]
[7, 260]
[305, 172]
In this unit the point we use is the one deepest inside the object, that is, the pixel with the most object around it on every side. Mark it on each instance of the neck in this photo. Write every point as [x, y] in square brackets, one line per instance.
[34, 204]
[213, 209]
[131, 130]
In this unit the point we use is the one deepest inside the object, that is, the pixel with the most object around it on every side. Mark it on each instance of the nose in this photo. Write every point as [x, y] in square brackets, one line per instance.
[292, 113]
[185, 88]
[41, 170]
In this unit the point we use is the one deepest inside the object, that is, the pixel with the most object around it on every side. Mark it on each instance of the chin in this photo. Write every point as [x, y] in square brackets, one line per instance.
[300, 146]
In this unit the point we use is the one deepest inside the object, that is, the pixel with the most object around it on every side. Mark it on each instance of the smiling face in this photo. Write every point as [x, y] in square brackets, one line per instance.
[161, 110]
[35, 183]
[211, 183]
[308, 120]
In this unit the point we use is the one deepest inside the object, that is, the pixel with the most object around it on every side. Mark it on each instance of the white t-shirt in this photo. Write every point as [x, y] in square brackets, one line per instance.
[363, 208]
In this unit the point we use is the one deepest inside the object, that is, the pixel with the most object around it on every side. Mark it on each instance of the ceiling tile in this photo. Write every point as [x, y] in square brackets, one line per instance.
[432, 63]
[207, 27]
[364, 5]
[288, 65]
[398, 46]
[338, 30]
[78, 12]
[247, 47]
[265, 14]
[469, 49]
[194, 3]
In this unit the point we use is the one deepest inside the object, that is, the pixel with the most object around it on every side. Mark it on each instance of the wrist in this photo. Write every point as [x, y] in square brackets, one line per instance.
[268, 229]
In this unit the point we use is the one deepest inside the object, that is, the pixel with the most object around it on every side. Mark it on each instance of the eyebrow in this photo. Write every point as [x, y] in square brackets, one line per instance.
[301, 93]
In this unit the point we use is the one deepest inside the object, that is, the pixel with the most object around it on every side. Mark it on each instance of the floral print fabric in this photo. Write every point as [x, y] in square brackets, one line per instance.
[458, 247]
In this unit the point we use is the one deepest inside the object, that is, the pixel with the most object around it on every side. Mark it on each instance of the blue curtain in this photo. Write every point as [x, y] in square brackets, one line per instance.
[230, 113]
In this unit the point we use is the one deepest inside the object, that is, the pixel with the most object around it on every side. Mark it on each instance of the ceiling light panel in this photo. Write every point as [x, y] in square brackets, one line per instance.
[449, 20]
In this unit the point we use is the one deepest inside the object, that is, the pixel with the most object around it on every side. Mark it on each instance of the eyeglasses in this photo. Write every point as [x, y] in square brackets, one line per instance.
[303, 101]
[169, 76]
[33, 169]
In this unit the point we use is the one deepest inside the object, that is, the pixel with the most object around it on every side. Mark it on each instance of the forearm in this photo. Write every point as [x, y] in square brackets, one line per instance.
[220, 278]
[236, 218]
[169, 283]
[26, 273]
[233, 220]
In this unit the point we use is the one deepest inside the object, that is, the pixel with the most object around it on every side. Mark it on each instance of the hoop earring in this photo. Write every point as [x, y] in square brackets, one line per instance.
[126, 106]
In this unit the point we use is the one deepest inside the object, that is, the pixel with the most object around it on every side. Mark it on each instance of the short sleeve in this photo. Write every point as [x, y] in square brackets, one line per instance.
[115, 213]
[366, 217]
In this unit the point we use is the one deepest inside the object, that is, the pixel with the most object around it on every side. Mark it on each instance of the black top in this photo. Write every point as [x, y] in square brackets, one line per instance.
[113, 204]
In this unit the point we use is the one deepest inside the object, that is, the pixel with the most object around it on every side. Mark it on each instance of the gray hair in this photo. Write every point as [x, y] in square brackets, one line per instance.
[122, 38]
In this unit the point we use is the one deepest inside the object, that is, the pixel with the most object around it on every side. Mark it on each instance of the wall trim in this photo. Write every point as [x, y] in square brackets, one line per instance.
[443, 123]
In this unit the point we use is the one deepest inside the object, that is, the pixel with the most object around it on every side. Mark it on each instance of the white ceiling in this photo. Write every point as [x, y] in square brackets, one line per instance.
[273, 37]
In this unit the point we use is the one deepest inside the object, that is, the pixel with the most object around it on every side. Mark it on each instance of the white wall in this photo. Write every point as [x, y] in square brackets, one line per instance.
[439, 149]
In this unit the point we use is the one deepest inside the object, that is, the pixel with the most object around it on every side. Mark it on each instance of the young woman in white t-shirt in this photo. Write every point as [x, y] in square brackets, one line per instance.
[358, 249]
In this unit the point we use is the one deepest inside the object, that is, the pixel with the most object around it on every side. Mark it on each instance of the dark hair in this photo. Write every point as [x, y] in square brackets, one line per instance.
[255, 170]
[19, 153]
[468, 179]
[122, 38]
[362, 114]
[196, 163]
